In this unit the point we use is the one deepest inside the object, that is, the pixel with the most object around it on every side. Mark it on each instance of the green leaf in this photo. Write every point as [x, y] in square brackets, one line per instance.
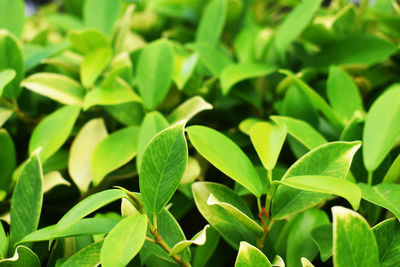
[387, 234]
[268, 140]
[246, 124]
[154, 73]
[353, 49]
[235, 73]
[82, 148]
[153, 123]
[322, 236]
[12, 16]
[89, 226]
[129, 113]
[114, 151]
[318, 102]
[393, 174]
[199, 239]
[250, 256]
[52, 132]
[188, 109]
[301, 131]
[58, 87]
[27, 199]
[6, 76]
[326, 185]
[214, 60]
[88, 40]
[306, 263]
[294, 24]
[299, 241]
[85, 207]
[214, 147]
[118, 93]
[384, 115]
[232, 230]
[354, 243]
[184, 65]
[171, 232]
[212, 22]
[203, 253]
[384, 195]
[101, 14]
[87, 257]
[94, 64]
[8, 160]
[332, 159]
[162, 167]
[237, 214]
[5, 114]
[53, 179]
[11, 57]
[124, 241]
[343, 94]
[3, 242]
[23, 257]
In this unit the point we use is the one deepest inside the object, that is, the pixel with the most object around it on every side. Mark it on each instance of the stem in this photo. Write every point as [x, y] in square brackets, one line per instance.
[158, 240]
[259, 205]
[363, 8]
[369, 178]
[14, 106]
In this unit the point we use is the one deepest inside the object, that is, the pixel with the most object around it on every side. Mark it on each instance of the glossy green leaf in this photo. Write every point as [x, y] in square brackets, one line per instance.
[393, 174]
[211, 57]
[94, 64]
[8, 160]
[87, 40]
[124, 241]
[332, 159]
[214, 147]
[154, 73]
[343, 94]
[11, 57]
[318, 102]
[384, 115]
[192, 171]
[295, 23]
[27, 199]
[306, 263]
[299, 241]
[212, 22]
[203, 253]
[384, 195]
[237, 214]
[5, 114]
[58, 87]
[89, 226]
[52, 132]
[53, 179]
[354, 243]
[184, 65]
[12, 16]
[188, 109]
[23, 257]
[301, 131]
[171, 232]
[322, 236]
[6, 76]
[232, 230]
[117, 93]
[199, 239]
[326, 185]
[3, 242]
[101, 14]
[246, 125]
[387, 234]
[82, 148]
[85, 207]
[250, 256]
[113, 152]
[129, 113]
[153, 123]
[268, 140]
[87, 257]
[353, 49]
[162, 167]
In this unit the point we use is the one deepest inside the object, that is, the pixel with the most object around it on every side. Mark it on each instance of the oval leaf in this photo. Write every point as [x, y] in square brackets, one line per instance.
[250, 256]
[188, 109]
[86, 257]
[94, 64]
[215, 147]
[199, 239]
[8, 160]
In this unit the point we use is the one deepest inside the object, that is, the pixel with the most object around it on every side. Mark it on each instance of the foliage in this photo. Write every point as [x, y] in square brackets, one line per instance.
[267, 131]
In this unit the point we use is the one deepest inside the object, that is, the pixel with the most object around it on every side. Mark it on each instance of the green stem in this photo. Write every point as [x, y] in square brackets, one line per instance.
[158, 240]
[14, 106]
[370, 176]
[259, 205]
[363, 9]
